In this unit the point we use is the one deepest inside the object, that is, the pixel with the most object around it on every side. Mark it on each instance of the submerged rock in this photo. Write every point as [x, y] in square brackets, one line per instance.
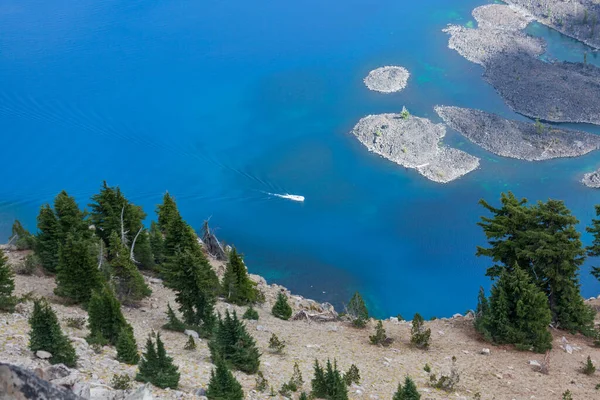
[516, 139]
[387, 79]
[414, 142]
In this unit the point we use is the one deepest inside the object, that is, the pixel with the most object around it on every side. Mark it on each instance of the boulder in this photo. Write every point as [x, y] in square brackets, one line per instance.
[54, 372]
[44, 355]
[141, 393]
[19, 384]
[82, 390]
[192, 333]
[485, 352]
[200, 392]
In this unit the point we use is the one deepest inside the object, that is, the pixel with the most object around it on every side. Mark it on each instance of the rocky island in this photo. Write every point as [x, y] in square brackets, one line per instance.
[516, 139]
[388, 79]
[575, 18]
[414, 142]
[550, 91]
[592, 179]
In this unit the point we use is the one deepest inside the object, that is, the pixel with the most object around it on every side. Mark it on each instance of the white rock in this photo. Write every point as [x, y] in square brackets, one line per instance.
[394, 319]
[82, 390]
[485, 352]
[142, 393]
[457, 316]
[44, 355]
[535, 363]
[192, 333]
[569, 349]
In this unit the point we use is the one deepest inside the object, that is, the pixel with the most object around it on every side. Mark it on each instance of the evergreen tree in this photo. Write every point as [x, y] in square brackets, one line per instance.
[46, 335]
[223, 385]
[237, 286]
[7, 285]
[232, 342]
[543, 240]
[419, 335]
[190, 344]
[47, 240]
[77, 271]
[167, 213]
[157, 367]
[303, 396]
[250, 313]
[174, 323]
[21, 238]
[518, 313]
[112, 214]
[329, 384]
[281, 308]
[190, 275]
[157, 243]
[408, 391]
[357, 311]
[129, 284]
[70, 218]
[105, 317]
[127, 351]
[594, 249]
[352, 376]
[482, 310]
[380, 337]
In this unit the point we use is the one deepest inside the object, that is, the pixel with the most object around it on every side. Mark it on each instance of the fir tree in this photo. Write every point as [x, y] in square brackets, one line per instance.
[21, 238]
[329, 384]
[588, 367]
[223, 385]
[303, 396]
[518, 313]
[70, 218]
[357, 311]
[47, 240]
[167, 213]
[380, 337]
[352, 376]
[543, 240]
[276, 345]
[77, 271]
[157, 367]
[408, 391]
[129, 284]
[190, 275]
[250, 313]
[232, 342]
[157, 243]
[594, 249]
[105, 317]
[419, 336]
[47, 335]
[282, 309]
[127, 351]
[174, 323]
[190, 344]
[237, 286]
[7, 285]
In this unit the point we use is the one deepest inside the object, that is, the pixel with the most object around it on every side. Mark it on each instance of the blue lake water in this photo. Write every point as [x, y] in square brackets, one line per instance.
[221, 101]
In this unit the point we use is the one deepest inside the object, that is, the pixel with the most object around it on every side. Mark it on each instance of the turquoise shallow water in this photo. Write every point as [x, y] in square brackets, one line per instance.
[221, 101]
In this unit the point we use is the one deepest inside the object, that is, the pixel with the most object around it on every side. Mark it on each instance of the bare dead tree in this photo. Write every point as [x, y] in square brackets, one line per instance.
[212, 244]
[133, 245]
[123, 231]
[101, 255]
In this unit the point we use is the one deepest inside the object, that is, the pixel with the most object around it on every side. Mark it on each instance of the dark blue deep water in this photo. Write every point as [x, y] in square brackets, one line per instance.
[221, 101]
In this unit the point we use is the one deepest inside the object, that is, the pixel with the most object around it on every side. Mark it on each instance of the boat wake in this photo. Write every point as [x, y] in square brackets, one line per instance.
[293, 197]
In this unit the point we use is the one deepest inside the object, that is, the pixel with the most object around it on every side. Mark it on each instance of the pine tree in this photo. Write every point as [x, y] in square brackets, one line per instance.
[357, 311]
[518, 313]
[419, 335]
[46, 335]
[250, 313]
[408, 391]
[190, 275]
[77, 271]
[190, 344]
[352, 376]
[594, 249]
[129, 284]
[157, 367]
[543, 240]
[223, 385]
[157, 243]
[303, 396]
[47, 240]
[281, 308]
[174, 323]
[380, 337]
[167, 213]
[7, 285]
[237, 286]
[127, 351]
[70, 218]
[329, 384]
[105, 317]
[232, 342]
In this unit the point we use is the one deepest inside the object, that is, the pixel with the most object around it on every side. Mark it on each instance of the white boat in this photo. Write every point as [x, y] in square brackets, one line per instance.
[293, 197]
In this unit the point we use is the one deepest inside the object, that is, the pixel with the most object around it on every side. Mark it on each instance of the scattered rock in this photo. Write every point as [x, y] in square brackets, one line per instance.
[142, 393]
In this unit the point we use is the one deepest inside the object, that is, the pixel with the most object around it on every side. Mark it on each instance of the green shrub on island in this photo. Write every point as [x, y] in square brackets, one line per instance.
[282, 309]
[237, 286]
[419, 335]
[173, 323]
[223, 385]
[408, 391]
[328, 383]
[516, 313]
[7, 285]
[357, 311]
[47, 335]
[232, 343]
[157, 367]
[250, 313]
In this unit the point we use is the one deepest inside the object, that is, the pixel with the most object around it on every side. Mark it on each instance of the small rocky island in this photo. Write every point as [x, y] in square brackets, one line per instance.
[550, 91]
[575, 18]
[516, 139]
[388, 79]
[592, 179]
[414, 142]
